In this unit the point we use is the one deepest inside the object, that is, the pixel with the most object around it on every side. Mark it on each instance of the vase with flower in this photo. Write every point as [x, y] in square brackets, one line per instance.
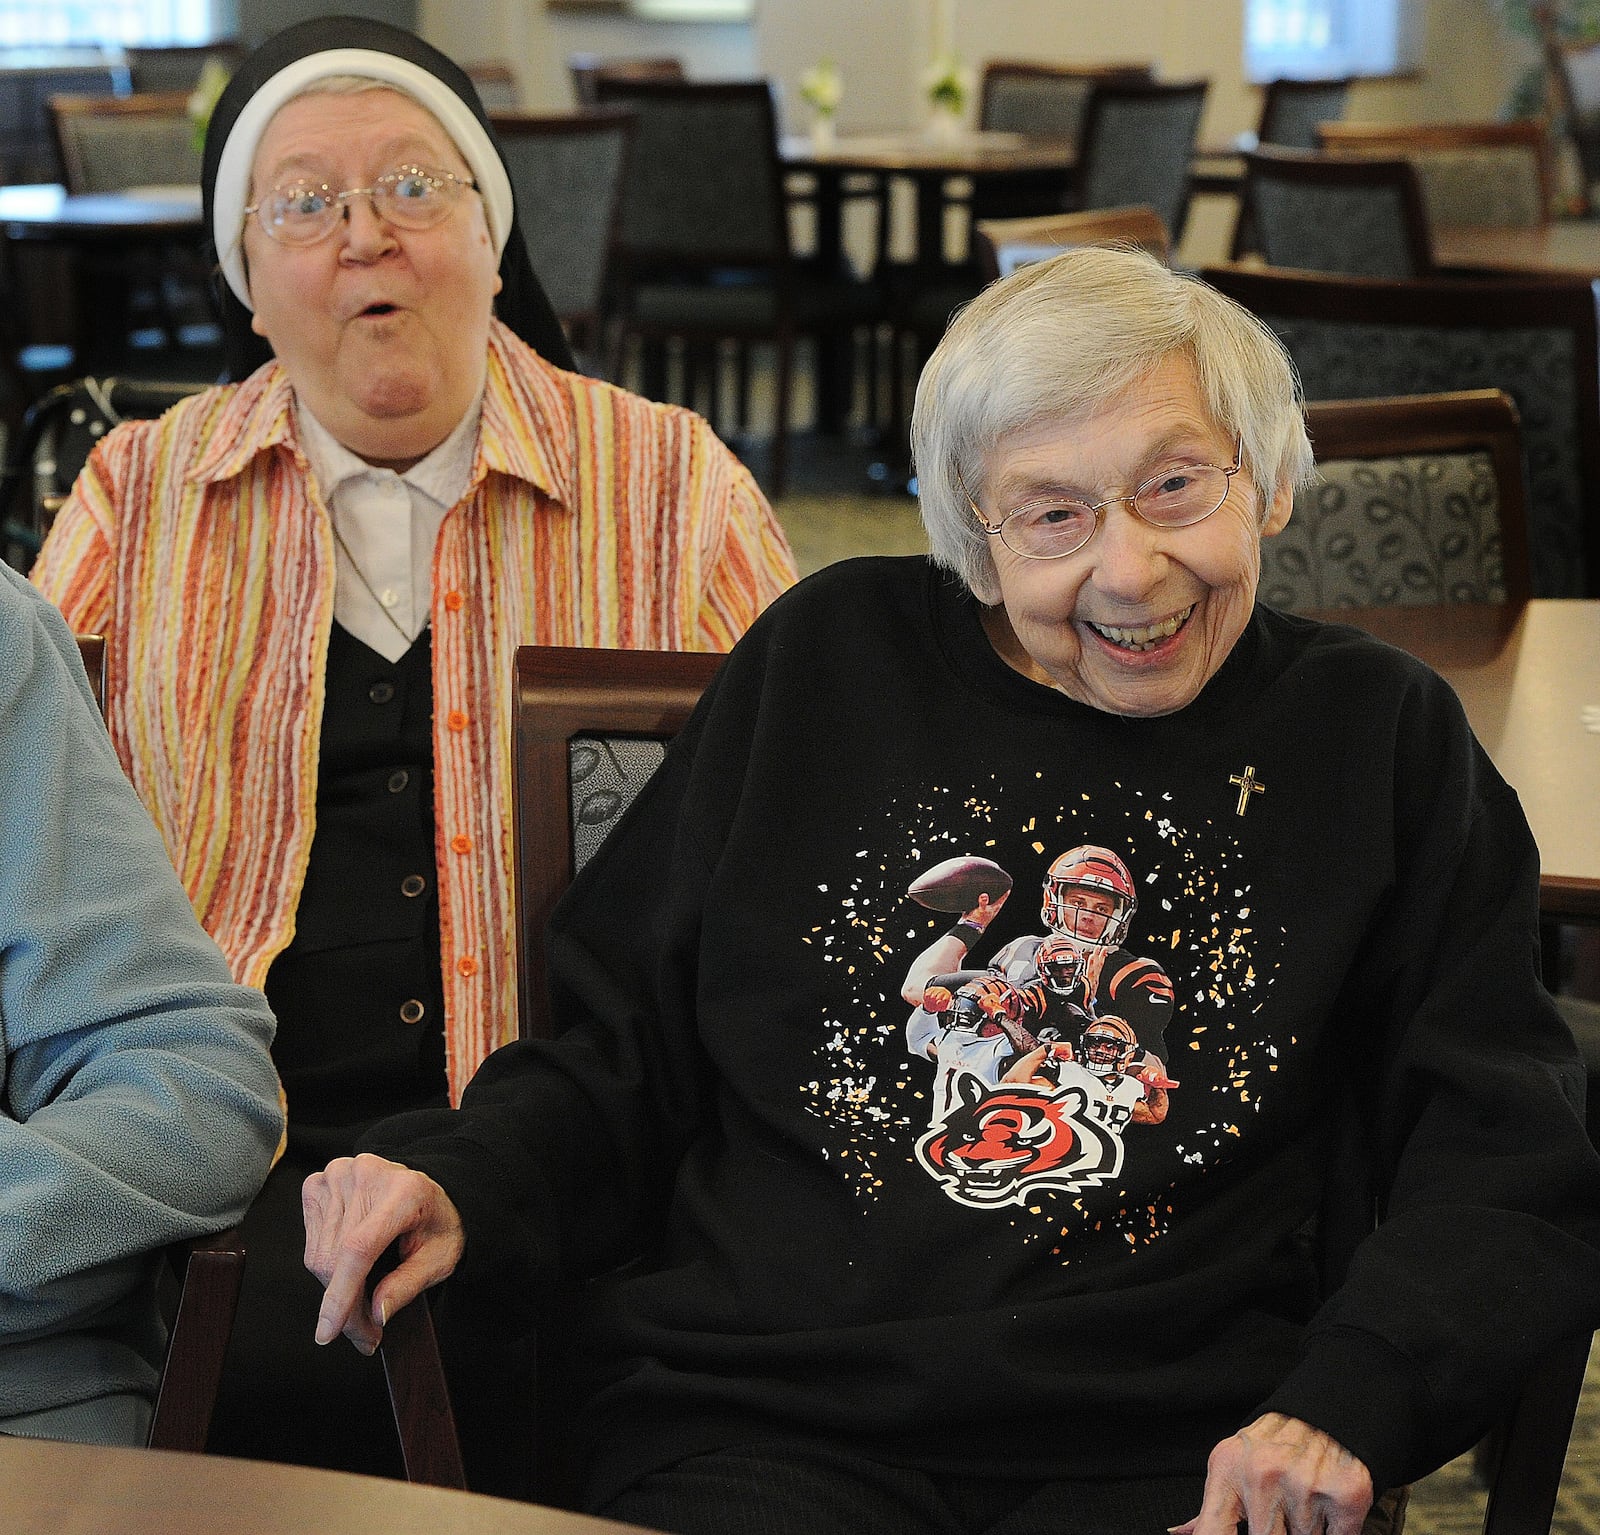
[822, 89]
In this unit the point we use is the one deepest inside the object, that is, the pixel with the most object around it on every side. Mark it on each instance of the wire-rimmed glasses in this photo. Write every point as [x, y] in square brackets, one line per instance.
[409, 197]
[1054, 526]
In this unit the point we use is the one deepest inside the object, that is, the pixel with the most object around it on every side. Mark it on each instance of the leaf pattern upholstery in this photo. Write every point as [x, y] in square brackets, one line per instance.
[607, 773]
[1536, 365]
[131, 151]
[1390, 531]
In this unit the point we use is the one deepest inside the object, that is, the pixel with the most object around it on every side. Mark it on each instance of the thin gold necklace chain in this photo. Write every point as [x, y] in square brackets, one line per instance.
[344, 549]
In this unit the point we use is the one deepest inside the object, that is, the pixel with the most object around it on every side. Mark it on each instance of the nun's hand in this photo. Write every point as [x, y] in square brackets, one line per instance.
[354, 1209]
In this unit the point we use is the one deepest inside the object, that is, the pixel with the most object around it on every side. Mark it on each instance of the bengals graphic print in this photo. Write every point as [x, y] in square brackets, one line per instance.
[1054, 1011]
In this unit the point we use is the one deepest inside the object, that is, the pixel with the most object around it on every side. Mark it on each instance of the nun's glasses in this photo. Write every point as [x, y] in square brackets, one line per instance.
[408, 197]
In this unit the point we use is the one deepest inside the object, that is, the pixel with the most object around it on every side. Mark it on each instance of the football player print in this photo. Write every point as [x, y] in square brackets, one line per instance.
[1038, 1065]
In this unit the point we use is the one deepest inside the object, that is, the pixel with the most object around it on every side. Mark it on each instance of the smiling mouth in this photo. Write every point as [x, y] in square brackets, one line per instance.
[1140, 637]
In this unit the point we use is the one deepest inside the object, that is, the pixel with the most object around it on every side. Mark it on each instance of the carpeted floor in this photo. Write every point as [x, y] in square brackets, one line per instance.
[1450, 1503]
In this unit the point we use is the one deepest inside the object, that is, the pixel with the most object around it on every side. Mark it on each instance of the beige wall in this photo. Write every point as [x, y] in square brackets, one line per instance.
[1468, 63]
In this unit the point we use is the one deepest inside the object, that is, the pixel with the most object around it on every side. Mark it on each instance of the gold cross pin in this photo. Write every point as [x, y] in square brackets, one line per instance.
[1247, 786]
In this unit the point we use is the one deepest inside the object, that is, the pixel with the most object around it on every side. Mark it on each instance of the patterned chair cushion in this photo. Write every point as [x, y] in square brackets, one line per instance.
[118, 152]
[566, 188]
[1358, 231]
[1535, 365]
[1389, 531]
[607, 774]
[1048, 107]
[1141, 154]
[1484, 184]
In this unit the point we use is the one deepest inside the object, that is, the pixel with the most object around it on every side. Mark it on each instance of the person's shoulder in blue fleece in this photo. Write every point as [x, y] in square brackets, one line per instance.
[138, 1103]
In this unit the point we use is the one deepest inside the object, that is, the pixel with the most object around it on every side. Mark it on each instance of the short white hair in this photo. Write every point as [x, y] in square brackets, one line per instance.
[1068, 336]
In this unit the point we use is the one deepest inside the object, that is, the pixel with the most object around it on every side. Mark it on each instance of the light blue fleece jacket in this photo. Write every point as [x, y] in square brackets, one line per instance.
[138, 1103]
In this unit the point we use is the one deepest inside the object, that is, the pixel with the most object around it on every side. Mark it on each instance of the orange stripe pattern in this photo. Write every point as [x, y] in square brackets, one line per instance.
[200, 545]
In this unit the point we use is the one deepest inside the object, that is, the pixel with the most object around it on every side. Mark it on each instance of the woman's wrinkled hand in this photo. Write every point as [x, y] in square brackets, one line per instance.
[354, 1209]
[1280, 1476]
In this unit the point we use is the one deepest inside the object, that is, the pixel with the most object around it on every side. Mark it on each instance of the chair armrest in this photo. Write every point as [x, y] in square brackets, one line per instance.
[420, 1398]
[1532, 1443]
[209, 1271]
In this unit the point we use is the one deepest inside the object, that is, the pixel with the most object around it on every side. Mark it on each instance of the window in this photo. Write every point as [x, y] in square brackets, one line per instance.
[1311, 39]
[131, 23]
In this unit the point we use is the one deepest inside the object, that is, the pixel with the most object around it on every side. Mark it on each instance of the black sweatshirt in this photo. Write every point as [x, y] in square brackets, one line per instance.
[1014, 1280]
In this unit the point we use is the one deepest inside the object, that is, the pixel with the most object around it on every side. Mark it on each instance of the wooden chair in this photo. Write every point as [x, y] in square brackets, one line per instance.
[178, 68]
[590, 727]
[1419, 500]
[567, 174]
[1357, 338]
[200, 1289]
[1292, 110]
[108, 143]
[1470, 173]
[496, 84]
[589, 69]
[1043, 101]
[589, 730]
[1138, 141]
[1315, 213]
[704, 242]
[207, 1274]
[1006, 244]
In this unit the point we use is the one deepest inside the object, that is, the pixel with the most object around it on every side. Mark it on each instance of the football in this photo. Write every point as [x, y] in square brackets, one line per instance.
[956, 884]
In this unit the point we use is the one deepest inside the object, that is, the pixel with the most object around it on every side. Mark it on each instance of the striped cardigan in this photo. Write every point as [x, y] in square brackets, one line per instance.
[200, 544]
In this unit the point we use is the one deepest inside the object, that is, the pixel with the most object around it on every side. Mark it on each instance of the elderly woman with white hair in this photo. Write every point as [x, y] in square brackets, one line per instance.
[315, 578]
[1049, 1299]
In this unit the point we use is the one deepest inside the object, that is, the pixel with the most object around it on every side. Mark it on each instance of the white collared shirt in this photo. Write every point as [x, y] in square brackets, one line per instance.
[389, 524]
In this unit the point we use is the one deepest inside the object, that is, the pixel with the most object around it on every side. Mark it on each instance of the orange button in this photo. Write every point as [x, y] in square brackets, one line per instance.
[461, 843]
[454, 601]
[467, 965]
[456, 720]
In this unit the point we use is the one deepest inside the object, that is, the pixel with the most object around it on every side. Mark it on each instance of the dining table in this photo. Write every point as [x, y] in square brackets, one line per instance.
[939, 167]
[1528, 676]
[54, 1488]
[106, 236]
[1568, 247]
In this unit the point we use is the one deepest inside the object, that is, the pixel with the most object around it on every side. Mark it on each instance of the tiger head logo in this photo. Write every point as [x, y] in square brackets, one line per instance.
[999, 1144]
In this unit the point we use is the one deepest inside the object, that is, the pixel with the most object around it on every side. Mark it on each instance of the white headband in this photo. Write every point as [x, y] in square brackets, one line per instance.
[232, 188]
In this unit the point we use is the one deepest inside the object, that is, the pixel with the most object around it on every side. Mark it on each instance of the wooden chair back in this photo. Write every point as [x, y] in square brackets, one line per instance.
[1419, 500]
[567, 175]
[589, 69]
[571, 704]
[1044, 100]
[92, 647]
[1317, 213]
[1471, 173]
[1358, 338]
[496, 84]
[178, 68]
[1291, 110]
[111, 142]
[1006, 244]
[1137, 145]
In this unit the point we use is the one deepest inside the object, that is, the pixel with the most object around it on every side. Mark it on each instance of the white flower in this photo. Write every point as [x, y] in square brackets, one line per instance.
[823, 87]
